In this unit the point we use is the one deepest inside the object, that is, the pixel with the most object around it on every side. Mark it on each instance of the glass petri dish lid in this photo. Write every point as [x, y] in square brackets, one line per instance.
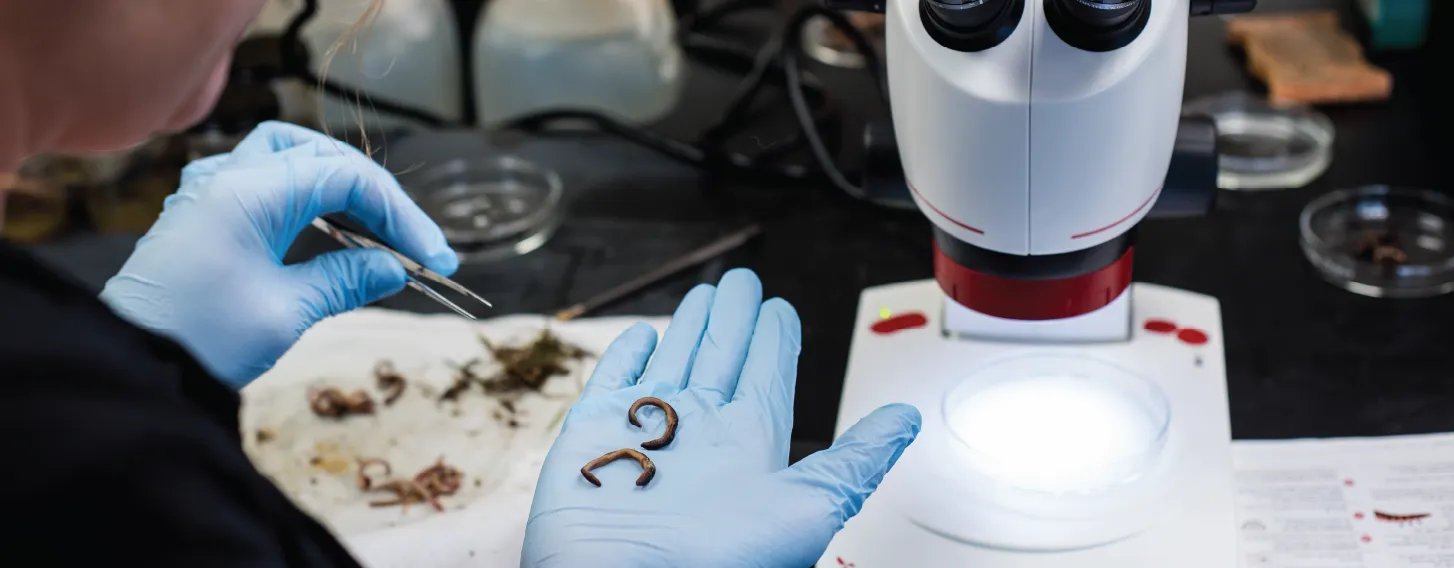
[490, 209]
[1059, 425]
[1382, 241]
[1265, 147]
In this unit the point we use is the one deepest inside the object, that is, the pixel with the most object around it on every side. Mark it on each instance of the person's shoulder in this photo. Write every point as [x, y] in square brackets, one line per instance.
[52, 326]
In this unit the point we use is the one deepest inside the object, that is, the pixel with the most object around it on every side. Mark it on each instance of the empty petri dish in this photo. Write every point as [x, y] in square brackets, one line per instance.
[1059, 424]
[1261, 146]
[1381, 241]
[490, 209]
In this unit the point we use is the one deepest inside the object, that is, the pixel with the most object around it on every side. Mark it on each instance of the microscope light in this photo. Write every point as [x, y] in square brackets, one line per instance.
[1072, 427]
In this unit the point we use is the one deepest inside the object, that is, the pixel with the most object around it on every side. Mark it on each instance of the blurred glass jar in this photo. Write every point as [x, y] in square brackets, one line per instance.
[131, 203]
[405, 51]
[617, 57]
[122, 192]
[34, 211]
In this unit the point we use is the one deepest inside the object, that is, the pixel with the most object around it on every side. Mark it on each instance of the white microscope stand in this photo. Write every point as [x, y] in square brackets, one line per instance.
[1189, 522]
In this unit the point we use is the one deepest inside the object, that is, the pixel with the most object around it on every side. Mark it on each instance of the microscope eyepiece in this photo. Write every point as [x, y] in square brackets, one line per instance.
[1103, 13]
[1098, 25]
[971, 25]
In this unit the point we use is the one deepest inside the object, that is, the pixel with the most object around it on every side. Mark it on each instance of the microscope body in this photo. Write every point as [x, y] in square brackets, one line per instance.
[1036, 135]
[1035, 147]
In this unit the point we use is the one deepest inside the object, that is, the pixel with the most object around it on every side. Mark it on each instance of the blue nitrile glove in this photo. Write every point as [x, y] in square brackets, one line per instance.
[723, 494]
[209, 274]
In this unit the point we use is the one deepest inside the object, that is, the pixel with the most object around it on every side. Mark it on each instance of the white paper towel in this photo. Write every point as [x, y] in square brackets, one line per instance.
[314, 460]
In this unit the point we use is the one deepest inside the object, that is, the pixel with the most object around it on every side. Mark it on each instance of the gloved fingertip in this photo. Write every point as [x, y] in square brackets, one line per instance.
[623, 361]
[907, 415]
[698, 300]
[787, 317]
[742, 279]
[643, 331]
[445, 262]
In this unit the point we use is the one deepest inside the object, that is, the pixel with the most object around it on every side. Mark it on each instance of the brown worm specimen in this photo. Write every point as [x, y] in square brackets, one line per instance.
[648, 469]
[389, 381]
[426, 486]
[364, 481]
[333, 403]
[1392, 518]
[671, 421]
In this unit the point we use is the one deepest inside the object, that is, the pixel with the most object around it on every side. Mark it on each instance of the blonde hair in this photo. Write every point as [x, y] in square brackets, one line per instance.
[356, 37]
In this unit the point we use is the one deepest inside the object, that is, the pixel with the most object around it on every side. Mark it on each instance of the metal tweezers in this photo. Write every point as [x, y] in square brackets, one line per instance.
[415, 270]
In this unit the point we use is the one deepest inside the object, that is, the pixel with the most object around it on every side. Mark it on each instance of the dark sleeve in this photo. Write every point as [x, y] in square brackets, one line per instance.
[119, 449]
[99, 473]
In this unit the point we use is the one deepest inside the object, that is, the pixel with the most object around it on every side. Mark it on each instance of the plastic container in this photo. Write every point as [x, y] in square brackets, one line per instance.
[408, 53]
[490, 209]
[617, 57]
[1265, 147]
[1382, 242]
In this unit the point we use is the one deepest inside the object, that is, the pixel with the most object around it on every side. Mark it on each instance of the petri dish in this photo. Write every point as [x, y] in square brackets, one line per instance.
[1382, 241]
[490, 209]
[1264, 147]
[1059, 425]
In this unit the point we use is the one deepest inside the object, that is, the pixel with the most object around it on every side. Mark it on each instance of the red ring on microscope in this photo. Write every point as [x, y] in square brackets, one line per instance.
[1029, 299]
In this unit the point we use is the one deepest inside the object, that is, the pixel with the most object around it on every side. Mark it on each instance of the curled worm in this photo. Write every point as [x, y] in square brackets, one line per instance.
[648, 469]
[1392, 518]
[671, 421]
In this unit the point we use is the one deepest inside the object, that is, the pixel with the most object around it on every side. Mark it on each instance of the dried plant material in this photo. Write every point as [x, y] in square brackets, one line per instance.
[527, 368]
[389, 381]
[465, 377]
[1306, 57]
[522, 369]
[330, 402]
[427, 486]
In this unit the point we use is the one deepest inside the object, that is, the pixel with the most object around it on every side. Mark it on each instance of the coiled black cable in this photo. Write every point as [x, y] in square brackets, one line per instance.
[778, 62]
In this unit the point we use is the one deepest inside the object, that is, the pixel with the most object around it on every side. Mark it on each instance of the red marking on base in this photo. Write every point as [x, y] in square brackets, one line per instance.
[936, 210]
[1192, 336]
[911, 320]
[844, 564]
[1366, 538]
[1160, 326]
[1123, 219]
[1348, 482]
[1358, 516]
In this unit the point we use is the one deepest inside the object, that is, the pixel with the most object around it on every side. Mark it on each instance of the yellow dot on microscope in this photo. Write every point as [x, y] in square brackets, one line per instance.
[884, 313]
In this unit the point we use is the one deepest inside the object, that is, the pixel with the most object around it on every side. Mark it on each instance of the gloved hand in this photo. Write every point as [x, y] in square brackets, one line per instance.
[209, 274]
[723, 494]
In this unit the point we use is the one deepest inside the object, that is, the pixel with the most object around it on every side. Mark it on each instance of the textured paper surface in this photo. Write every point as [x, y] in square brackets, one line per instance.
[314, 459]
[1347, 503]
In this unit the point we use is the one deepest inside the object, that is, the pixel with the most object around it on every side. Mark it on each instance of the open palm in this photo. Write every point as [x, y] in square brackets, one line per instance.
[723, 494]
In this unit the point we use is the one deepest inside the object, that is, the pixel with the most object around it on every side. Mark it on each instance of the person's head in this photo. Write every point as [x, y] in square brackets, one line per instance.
[99, 75]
